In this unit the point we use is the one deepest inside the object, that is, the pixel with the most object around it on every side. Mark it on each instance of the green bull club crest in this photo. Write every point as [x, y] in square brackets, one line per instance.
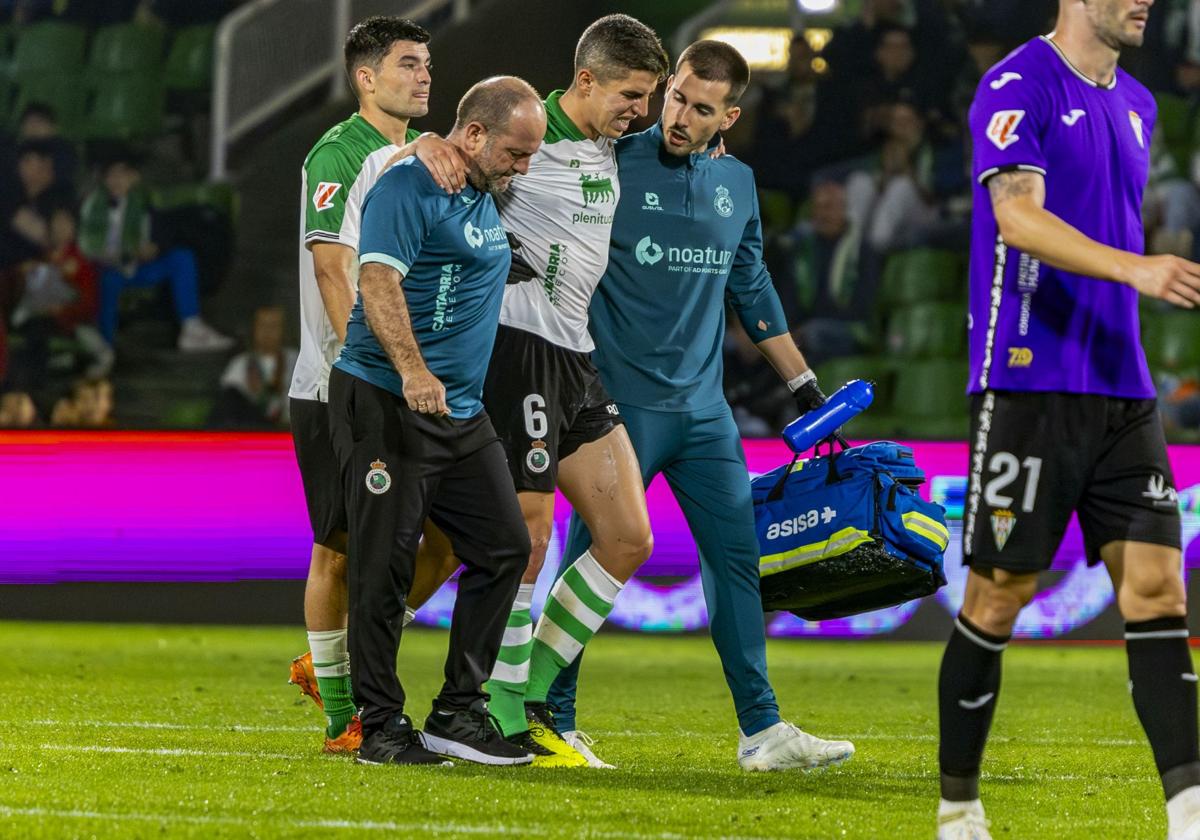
[596, 189]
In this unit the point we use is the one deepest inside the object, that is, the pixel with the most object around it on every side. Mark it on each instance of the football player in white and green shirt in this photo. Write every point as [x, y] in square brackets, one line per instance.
[388, 65]
[558, 425]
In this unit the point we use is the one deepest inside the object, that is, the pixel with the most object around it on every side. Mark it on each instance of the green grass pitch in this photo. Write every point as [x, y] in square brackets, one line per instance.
[151, 731]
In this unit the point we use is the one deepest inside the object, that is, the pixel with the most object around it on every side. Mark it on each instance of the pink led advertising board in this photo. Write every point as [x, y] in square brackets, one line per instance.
[136, 506]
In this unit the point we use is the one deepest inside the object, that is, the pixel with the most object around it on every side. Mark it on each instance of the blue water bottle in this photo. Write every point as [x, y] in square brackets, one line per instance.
[843, 405]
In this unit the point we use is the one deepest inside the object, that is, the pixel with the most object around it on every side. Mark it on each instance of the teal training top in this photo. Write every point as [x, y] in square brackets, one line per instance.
[686, 240]
[453, 258]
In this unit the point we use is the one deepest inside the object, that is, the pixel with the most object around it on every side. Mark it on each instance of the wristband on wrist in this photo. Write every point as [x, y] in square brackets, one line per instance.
[798, 382]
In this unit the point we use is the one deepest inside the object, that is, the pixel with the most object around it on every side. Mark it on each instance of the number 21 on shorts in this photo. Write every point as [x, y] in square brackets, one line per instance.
[1005, 467]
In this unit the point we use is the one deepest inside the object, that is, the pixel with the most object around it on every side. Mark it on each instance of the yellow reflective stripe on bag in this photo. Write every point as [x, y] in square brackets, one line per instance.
[927, 527]
[839, 542]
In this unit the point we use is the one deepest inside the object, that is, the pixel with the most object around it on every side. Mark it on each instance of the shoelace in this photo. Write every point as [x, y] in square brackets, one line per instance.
[488, 727]
[587, 739]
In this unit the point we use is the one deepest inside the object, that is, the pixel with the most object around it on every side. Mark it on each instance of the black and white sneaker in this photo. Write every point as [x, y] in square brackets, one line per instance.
[525, 741]
[472, 735]
[397, 743]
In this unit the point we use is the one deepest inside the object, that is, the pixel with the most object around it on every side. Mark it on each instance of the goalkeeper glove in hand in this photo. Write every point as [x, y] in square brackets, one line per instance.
[808, 396]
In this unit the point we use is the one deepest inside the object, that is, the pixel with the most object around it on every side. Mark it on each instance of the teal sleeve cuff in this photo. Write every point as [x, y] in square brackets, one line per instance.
[385, 259]
[763, 318]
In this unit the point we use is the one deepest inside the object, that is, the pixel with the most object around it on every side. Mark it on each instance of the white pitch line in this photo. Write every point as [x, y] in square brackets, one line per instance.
[184, 727]
[350, 825]
[100, 748]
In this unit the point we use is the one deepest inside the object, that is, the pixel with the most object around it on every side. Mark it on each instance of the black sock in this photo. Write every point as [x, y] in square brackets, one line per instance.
[968, 687]
[1163, 684]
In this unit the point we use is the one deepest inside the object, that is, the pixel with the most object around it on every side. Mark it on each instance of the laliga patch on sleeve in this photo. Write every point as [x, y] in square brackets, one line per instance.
[1002, 130]
[323, 195]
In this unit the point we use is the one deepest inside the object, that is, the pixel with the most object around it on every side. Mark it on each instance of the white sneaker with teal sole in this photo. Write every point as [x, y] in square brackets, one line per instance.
[786, 747]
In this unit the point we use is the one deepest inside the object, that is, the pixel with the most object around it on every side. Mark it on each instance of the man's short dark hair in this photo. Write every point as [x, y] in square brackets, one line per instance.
[716, 61]
[616, 45]
[370, 40]
[886, 28]
[40, 110]
[39, 147]
[491, 102]
[119, 154]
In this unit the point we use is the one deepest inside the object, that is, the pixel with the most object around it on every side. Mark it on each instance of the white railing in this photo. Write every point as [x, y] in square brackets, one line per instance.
[271, 52]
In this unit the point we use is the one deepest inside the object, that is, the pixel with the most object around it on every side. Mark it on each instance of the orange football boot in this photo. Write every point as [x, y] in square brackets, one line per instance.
[348, 742]
[302, 676]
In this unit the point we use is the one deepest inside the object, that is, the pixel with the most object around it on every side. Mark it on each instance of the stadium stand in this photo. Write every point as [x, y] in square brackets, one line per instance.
[872, 99]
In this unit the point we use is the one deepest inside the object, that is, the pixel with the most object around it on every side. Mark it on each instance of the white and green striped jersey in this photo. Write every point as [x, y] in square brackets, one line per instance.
[337, 173]
[562, 212]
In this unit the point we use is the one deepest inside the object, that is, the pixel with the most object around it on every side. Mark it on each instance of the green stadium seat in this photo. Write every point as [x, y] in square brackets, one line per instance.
[126, 108]
[220, 196]
[922, 275]
[1174, 122]
[1172, 339]
[189, 63]
[49, 47]
[64, 92]
[187, 413]
[931, 400]
[127, 48]
[927, 330]
[835, 373]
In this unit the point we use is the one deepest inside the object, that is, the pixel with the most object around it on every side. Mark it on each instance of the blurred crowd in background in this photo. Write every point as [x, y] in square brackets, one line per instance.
[112, 245]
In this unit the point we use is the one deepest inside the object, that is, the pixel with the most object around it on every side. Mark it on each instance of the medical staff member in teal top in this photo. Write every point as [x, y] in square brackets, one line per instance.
[686, 241]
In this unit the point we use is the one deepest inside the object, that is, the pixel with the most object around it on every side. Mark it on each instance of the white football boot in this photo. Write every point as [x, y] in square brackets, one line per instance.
[785, 746]
[962, 821]
[582, 742]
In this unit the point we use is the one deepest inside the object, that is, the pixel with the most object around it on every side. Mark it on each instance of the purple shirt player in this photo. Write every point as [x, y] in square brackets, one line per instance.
[1033, 327]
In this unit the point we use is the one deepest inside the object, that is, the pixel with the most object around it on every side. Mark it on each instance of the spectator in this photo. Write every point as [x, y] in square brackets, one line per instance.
[17, 411]
[254, 386]
[115, 232]
[1179, 398]
[852, 43]
[892, 201]
[984, 50]
[826, 298]
[89, 406]
[796, 131]
[39, 122]
[25, 210]
[29, 203]
[61, 299]
[896, 78]
[1171, 206]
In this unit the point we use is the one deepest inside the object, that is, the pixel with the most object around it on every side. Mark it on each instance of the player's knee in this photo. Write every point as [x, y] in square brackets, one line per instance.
[623, 554]
[1154, 593]
[327, 564]
[993, 602]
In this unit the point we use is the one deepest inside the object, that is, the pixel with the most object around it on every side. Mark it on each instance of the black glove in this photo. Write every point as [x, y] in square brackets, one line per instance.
[808, 396]
[520, 271]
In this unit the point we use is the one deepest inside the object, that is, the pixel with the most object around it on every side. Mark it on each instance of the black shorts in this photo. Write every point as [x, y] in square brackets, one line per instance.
[1037, 457]
[546, 401]
[319, 471]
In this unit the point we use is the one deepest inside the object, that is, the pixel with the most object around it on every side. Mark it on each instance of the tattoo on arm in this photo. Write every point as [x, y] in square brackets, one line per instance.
[387, 316]
[1006, 185]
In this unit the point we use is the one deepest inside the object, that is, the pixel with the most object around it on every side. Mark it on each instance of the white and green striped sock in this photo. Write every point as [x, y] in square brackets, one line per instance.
[331, 664]
[578, 604]
[511, 672]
